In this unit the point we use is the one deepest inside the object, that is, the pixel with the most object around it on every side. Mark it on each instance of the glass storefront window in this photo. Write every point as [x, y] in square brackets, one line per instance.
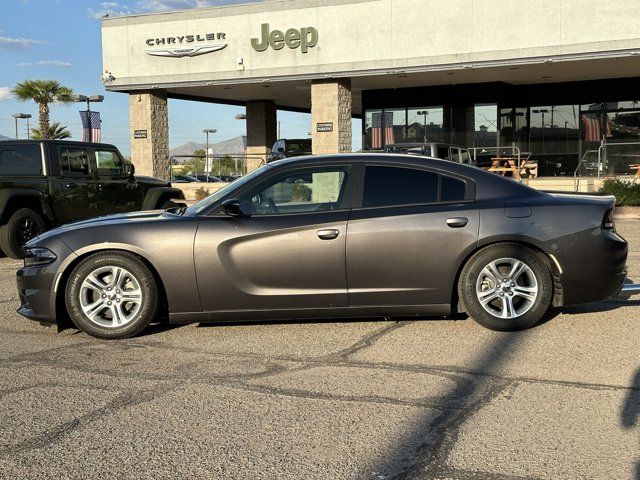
[425, 125]
[395, 126]
[486, 125]
[373, 133]
[514, 129]
[554, 129]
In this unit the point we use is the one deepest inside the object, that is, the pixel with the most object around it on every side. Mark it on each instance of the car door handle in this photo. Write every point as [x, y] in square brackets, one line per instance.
[328, 234]
[457, 222]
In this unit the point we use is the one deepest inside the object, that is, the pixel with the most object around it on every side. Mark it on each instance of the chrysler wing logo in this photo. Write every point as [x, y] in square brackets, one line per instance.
[186, 52]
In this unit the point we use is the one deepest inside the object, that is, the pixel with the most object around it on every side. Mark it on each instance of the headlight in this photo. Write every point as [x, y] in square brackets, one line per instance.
[38, 256]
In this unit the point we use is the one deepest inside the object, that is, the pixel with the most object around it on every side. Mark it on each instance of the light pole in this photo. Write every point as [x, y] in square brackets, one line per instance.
[425, 113]
[16, 116]
[207, 167]
[89, 99]
[242, 116]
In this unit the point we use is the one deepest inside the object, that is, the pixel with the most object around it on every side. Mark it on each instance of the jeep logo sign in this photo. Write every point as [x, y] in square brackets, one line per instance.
[305, 38]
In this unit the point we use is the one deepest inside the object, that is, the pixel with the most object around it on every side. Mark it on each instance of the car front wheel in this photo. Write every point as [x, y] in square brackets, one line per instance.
[112, 295]
[506, 287]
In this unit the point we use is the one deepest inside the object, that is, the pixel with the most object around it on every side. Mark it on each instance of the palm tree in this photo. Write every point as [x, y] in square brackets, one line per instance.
[56, 132]
[43, 92]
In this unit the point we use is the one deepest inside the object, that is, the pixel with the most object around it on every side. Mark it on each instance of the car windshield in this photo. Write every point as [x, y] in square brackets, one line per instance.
[203, 205]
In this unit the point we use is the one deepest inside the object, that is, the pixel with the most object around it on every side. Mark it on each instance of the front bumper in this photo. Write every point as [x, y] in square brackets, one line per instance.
[37, 286]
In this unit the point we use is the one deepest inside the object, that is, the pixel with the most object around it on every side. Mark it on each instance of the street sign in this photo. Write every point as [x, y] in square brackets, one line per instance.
[139, 134]
[324, 127]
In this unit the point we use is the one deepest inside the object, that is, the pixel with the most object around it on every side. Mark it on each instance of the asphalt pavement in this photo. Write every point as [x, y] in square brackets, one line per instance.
[432, 399]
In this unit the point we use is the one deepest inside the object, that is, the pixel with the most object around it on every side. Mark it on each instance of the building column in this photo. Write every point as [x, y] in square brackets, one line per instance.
[331, 116]
[261, 132]
[149, 125]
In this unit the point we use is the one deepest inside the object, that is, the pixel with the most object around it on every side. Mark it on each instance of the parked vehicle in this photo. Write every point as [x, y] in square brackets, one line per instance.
[208, 179]
[443, 151]
[228, 178]
[286, 147]
[185, 179]
[44, 184]
[364, 235]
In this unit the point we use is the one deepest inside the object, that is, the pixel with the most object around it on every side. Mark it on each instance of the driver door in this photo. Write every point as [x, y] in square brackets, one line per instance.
[287, 253]
[117, 193]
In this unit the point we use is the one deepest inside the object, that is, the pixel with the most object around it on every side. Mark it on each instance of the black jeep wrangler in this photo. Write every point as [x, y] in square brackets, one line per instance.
[46, 183]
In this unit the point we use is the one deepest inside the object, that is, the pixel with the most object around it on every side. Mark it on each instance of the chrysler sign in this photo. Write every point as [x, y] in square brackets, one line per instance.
[182, 46]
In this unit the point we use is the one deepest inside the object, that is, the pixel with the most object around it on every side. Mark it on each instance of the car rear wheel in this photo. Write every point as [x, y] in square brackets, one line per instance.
[112, 295]
[22, 226]
[506, 287]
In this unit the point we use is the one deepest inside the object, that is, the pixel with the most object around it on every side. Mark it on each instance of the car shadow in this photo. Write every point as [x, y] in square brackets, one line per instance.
[630, 412]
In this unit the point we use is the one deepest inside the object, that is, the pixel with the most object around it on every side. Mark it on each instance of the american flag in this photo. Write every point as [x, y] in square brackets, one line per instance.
[591, 128]
[377, 130]
[91, 131]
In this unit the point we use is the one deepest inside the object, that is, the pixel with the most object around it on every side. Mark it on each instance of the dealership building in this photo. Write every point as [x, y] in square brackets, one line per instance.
[555, 78]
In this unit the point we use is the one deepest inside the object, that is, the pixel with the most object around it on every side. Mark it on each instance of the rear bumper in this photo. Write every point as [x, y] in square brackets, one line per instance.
[593, 264]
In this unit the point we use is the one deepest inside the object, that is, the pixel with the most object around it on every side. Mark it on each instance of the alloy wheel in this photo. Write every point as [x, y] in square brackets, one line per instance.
[26, 230]
[110, 296]
[507, 288]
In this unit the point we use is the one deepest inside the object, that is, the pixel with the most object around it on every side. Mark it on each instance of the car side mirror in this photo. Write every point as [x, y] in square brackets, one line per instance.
[232, 208]
[280, 150]
[130, 169]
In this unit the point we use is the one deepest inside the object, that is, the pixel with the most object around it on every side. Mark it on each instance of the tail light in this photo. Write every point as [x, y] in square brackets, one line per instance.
[608, 222]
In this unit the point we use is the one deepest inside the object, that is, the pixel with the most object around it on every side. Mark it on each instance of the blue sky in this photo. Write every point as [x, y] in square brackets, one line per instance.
[60, 39]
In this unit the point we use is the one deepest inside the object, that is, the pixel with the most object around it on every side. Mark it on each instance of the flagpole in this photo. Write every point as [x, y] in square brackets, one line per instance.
[88, 99]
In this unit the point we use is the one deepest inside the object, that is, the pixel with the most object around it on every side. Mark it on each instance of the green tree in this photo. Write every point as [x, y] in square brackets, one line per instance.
[55, 132]
[196, 164]
[43, 92]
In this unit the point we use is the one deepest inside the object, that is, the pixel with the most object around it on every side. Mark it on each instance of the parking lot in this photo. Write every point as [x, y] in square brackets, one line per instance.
[443, 399]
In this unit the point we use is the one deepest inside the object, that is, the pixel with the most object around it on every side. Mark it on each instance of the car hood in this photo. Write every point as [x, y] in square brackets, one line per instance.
[117, 219]
[152, 181]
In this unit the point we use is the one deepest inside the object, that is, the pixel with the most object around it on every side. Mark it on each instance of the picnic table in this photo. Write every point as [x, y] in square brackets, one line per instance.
[504, 165]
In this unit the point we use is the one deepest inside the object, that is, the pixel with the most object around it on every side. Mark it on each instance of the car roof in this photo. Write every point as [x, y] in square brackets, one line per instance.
[62, 142]
[488, 185]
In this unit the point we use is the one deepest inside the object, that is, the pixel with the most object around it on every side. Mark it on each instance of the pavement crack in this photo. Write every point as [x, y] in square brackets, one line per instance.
[122, 401]
[367, 341]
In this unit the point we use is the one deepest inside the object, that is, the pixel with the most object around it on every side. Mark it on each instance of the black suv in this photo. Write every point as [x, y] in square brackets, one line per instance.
[289, 147]
[46, 183]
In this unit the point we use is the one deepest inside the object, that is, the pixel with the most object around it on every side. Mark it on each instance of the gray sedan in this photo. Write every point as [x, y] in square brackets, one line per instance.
[332, 237]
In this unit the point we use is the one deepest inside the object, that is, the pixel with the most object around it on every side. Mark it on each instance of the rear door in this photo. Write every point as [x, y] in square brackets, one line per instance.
[75, 187]
[116, 192]
[408, 234]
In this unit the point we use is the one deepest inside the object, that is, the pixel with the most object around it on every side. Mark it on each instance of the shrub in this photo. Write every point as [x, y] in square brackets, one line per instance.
[627, 192]
[202, 193]
[300, 193]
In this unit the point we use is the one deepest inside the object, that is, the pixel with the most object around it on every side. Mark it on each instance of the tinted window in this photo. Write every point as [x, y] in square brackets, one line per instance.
[303, 192]
[21, 160]
[386, 186]
[109, 163]
[74, 161]
[452, 189]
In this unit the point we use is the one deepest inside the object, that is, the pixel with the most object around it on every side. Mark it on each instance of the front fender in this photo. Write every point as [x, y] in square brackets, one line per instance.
[155, 194]
[6, 194]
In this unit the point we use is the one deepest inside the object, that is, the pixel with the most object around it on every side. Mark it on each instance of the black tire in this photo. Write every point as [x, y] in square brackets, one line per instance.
[22, 226]
[103, 325]
[474, 277]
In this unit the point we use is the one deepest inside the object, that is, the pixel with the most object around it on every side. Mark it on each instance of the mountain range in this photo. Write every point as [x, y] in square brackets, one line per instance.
[233, 146]
[4, 137]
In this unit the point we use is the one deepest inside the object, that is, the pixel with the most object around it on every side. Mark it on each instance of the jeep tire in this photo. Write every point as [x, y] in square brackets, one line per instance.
[22, 226]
